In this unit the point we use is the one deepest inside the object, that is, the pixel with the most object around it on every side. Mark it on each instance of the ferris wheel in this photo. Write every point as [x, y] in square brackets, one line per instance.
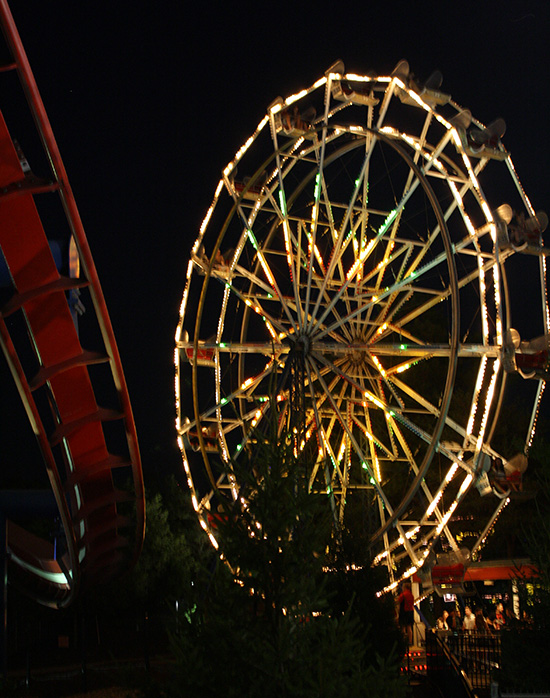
[355, 262]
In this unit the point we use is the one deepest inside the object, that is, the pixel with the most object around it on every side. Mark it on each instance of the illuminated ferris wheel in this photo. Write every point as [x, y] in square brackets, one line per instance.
[354, 263]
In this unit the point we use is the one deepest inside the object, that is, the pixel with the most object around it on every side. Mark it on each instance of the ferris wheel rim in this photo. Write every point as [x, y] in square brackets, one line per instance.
[489, 353]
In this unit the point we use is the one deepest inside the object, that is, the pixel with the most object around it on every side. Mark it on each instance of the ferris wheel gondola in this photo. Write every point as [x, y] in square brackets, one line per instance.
[363, 249]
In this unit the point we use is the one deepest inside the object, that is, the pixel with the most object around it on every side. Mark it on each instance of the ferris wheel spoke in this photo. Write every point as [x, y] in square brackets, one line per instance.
[399, 292]
[324, 443]
[391, 305]
[284, 164]
[342, 238]
[228, 275]
[316, 282]
[375, 443]
[291, 243]
[359, 243]
[334, 368]
[254, 304]
[469, 440]
[341, 418]
[411, 184]
[319, 188]
[463, 282]
[412, 181]
[391, 218]
[410, 280]
[336, 475]
[328, 431]
[432, 499]
[364, 397]
[245, 390]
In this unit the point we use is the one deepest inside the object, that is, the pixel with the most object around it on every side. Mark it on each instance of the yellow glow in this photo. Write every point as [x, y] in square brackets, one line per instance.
[359, 261]
[379, 365]
[458, 199]
[375, 400]
[380, 557]
[451, 472]
[271, 329]
[294, 98]
[420, 102]
[408, 535]
[456, 139]
[267, 270]
[387, 589]
[467, 480]
[446, 518]
[286, 229]
[479, 383]
[257, 417]
[487, 211]
[364, 78]
[377, 471]
[488, 401]
[430, 510]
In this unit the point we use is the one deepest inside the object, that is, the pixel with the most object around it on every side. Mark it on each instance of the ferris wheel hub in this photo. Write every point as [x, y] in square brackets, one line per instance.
[302, 345]
[357, 353]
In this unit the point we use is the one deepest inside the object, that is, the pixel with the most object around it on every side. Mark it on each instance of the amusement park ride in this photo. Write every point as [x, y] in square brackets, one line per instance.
[48, 279]
[360, 270]
[374, 243]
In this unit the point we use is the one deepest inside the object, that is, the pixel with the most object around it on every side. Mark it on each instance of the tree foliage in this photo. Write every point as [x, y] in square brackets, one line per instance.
[272, 625]
[170, 560]
[525, 664]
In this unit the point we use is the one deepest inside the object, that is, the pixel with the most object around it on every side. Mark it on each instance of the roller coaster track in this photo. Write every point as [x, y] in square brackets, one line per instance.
[99, 495]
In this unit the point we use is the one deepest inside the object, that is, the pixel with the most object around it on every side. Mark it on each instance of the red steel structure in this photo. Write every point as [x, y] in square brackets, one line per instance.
[99, 495]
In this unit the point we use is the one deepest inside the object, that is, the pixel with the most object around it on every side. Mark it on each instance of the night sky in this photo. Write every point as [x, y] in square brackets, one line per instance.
[150, 100]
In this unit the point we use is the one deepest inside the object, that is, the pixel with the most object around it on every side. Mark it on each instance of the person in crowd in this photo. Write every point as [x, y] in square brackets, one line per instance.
[469, 623]
[405, 602]
[442, 623]
[482, 625]
[500, 619]
[497, 476]
[454, 621]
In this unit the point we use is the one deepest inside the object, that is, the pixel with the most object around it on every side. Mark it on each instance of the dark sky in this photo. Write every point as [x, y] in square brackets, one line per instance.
[150, 100]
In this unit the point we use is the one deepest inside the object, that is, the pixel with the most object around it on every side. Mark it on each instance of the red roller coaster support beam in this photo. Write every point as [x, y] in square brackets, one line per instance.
[103, 523]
